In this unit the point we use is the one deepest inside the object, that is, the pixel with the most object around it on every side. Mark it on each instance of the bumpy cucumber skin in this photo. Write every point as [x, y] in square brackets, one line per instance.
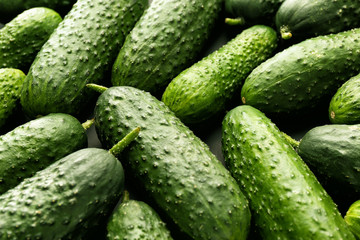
[176, 168]
[11, 81]
[80, 51]
[333, 153]
[352, 218]
[286, 200]
[36, 144]
[136, 220]
[205, 89]
[166, 40]
[253, 11]
[310, 18]
[22, 38]
[10, 9]
[303, 75]
[344, 107]
[64, 200]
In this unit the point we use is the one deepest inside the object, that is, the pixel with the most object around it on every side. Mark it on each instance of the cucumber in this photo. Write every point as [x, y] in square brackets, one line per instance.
[36, 144]
[177, 169]
[134, 219]
[22, 38]
[167, 39]
[11, 81]
[301, 19]
[352, 218]
[303, 76]
[333, 153]
[10, 9]
[253, 11]
[82, 49]
[286, 200]
[344, 107]
[208, 86]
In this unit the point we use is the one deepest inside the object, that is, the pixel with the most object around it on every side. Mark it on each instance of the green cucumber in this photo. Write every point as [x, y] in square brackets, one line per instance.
[175, 167]
[286, 199]
[81, 50]
[22, 38]
[66, 200]
[36, 144]
[207, 87]
[166, 40]
[344, 107]
[301, 19]
[134, 219]
[10, 9]
[333, 153]
[352, 218]
[11, 81]
[305, 75]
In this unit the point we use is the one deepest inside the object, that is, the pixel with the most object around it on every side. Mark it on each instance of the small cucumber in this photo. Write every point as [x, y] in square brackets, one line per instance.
[344, 107]
[11, 81]
[352, 218]
[207, 87]
[36, 144]
[175, 167]
[286, 200]
[134, 219]
[22, 38]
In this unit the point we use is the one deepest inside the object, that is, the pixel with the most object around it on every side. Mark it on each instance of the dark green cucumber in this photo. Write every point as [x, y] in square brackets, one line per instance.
[253, 11]
[301, 19]
[333, 153]
[175, 167]
[352, 218]
[11, 81]
[22, 38]
[166, 40]
[134, 219]
[10, 9]
[286, 200]
[207, 87]
[81, 50]
[65, 200]
[304, 75]
[36, 144]
[344, 107]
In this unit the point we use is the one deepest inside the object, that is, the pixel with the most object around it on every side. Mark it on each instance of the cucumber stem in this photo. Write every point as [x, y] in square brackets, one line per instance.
[235, 21]
[86, 125]
[123, 143]
[96, 87]
[285, 33]
[293, 142]
[126, 196]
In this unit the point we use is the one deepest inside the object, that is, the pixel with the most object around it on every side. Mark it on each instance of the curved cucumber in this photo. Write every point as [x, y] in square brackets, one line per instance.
[207, 87]
[36, 144]
[352, 218]
[22, 38]
[81, 50]
[304, 75]
[344, 107]
[301, 19]
[175, 167]
[166, 40]
[286, 200]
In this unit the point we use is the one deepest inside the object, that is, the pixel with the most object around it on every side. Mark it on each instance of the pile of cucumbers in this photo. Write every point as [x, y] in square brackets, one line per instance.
[151, 80]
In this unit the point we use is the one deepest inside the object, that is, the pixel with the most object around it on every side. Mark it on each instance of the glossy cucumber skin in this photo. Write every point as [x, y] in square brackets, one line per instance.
[352, 218]
[304, 75]
[206, 88]
[167, 39]
[332, 153]
[286, 200]
[80, 51]
[344, 107]
[11, 81]
[310, 18]
[22, 38]
[36, 144]
[175, 167]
